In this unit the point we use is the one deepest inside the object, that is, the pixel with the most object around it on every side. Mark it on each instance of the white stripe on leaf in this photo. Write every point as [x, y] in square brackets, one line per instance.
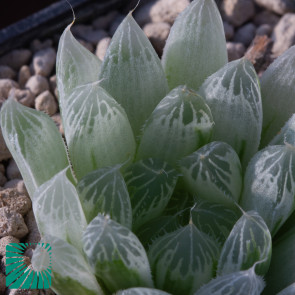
[71, 274]
[233, 95]
[150, 184]
[116, 255]
[58, 210]
[269, 185]
[213, 173]
[196, 45]
[180, 124]
[97, 130]
[184, 260]
[75, 66]
[104, 191]
[249, 243]
[34, 142]
[132, 73]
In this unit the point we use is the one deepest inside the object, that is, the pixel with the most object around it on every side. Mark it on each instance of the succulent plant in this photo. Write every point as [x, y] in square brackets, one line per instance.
[159, 186]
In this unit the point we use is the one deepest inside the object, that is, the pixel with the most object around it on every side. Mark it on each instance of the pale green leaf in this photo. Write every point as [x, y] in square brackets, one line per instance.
[141, 291]
[282, 267]
[71, 274]
[286, 134]
[180, 124]
[58, 210]
[214, 219]
[34, 142]
[97, 130]
[196, 45]
[150, 184]
[238, 283]
[132, 73]
[213, 173]
[104, 191]
[249, 243]
[75, 66]
[278, 92]
[233, 95]
[158, 227]
[184, 260]
[269, 185]
[116, 255]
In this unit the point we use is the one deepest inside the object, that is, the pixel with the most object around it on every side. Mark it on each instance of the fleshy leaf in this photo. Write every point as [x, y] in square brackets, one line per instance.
[104, 191]
[142, 291]
[269, 185]
[183, 260]
[116, 255]
[216, 220]
[278, 92]
[75, 66]
[282, 267]
[242, 282]
[287, 133]
[97, 130]
[249, 243]
[180, 124]
[132, 73]
[213, 173]
[233, 95]
[34, 142]
[196, 45]
[58, 210]
[150, 184]
[158, 227]
[71, 274]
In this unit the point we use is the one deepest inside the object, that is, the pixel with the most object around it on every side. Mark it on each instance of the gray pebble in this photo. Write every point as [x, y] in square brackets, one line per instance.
[37, 84]
[158, 34]
[23, 96]
[45, 102]
[16, 58]
[37, 45]
[167, 10]
[228, 30]
[4, 152]
[12, 224]
[102, 47]
[266, 17]
[7, 72]
[245, 34]
[14, 200]
[12, 170]
[44, 61]
[264, 29]
[142, 13]
[5, 86]
[104, 22]
[235, 50]
[24, 75]
[284, 34]
[237, 12]
[278, 6]
[58, 122]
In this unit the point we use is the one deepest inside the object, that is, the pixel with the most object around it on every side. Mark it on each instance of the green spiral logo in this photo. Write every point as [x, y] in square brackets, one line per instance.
[19, 275]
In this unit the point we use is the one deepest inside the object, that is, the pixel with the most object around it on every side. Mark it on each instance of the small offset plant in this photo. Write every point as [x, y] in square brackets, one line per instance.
[174, 177]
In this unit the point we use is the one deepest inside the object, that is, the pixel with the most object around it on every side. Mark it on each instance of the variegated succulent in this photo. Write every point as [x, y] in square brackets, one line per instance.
[173, 176]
